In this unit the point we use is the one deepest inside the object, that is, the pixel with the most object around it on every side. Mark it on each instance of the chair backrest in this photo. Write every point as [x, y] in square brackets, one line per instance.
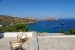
[24, 34]
[19, 34]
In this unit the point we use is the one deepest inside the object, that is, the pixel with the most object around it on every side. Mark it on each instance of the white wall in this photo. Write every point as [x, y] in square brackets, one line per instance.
[10, 34]
[14, 34]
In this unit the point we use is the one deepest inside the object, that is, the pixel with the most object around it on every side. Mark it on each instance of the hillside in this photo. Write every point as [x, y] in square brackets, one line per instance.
[9, 20]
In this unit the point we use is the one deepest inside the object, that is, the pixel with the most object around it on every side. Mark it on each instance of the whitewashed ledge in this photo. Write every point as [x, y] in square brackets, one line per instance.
[14, 34]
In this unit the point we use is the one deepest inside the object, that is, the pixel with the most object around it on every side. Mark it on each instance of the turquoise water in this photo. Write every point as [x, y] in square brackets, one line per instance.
[52, 26]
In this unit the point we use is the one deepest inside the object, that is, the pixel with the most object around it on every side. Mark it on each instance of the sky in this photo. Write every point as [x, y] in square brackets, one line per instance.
[38, 8]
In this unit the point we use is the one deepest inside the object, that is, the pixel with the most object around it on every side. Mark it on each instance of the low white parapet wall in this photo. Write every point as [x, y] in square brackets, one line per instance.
[14, 34]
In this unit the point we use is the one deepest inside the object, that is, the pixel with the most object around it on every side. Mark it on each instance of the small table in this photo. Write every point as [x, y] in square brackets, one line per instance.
[23, 37]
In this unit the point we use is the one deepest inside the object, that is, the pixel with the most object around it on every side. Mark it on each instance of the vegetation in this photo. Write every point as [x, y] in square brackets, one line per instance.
[67, 33]
[9, 20]
[70, 32]
[73, 32]
[15, 28]
[62, 31]
[21, 27]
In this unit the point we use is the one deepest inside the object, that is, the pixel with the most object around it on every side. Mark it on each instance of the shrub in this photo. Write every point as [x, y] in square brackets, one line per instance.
[21, 27]
[71, 30]
[67, 33]
[0, 29]
[62, 31]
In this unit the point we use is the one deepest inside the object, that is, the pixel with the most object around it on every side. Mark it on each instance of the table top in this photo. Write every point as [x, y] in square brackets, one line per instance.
[23, 37]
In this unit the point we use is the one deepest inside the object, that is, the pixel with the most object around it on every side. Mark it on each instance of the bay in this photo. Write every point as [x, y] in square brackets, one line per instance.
[52, 26]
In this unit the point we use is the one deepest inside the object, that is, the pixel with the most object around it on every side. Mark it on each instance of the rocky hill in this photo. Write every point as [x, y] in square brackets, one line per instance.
[9, 20]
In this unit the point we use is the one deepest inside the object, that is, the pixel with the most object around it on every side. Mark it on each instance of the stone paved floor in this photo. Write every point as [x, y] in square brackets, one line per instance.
[4, 44]
[56, 43]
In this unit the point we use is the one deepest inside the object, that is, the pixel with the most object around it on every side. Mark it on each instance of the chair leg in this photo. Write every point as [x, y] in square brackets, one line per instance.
[11, 48]
[20, 48]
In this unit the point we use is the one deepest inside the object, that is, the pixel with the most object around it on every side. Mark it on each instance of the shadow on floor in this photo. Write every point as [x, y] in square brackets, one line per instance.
[23, 49]
[38, 43]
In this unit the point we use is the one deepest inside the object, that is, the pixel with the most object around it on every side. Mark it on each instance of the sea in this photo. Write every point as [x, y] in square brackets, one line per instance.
[52, 26]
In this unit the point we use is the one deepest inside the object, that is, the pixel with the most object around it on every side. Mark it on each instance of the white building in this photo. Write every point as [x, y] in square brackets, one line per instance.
[0, 25]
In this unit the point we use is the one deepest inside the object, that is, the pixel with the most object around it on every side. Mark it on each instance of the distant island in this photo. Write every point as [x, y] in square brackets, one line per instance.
[9, 20]
[52, 19]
